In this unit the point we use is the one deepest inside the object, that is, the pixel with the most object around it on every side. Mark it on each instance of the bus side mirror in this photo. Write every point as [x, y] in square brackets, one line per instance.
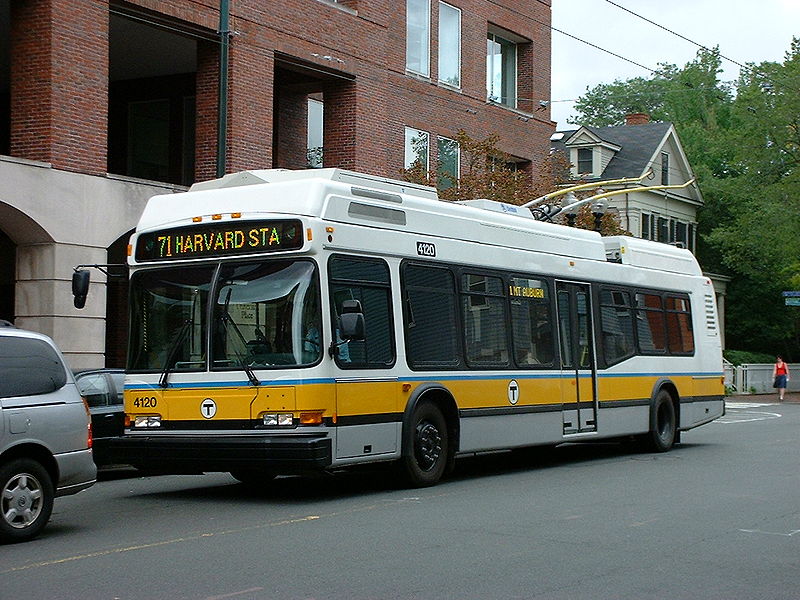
[351, 321]
[80, 288]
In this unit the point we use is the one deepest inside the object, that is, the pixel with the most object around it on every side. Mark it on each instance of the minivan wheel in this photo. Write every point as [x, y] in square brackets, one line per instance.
[26, 500]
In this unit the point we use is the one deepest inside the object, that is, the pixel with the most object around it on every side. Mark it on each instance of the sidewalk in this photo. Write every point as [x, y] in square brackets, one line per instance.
[771, 398]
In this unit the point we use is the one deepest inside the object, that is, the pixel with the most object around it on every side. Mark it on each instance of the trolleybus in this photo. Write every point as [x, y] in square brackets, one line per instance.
[291, 321]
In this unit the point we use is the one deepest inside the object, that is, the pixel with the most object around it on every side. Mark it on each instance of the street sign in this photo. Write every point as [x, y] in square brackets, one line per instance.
[792, 301]
[790, 294]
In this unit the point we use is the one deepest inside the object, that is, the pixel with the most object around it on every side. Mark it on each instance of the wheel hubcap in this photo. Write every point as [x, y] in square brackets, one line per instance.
[22, 501]
[427, 446]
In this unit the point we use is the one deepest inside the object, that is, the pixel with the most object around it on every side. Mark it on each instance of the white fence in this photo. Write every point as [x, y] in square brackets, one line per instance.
[757, 378]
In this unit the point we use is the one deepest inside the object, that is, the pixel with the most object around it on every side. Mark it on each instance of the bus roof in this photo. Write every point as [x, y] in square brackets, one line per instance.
[342, 196]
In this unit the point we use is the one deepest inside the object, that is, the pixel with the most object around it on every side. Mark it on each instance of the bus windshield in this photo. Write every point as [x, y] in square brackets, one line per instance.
[259, 314]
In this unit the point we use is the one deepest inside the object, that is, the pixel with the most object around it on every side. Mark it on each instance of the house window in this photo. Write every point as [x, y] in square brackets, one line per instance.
[418, 36]
[448, 171]
[646, 227]
[449, 45]
[664, 168]
[416, 154]
[501, 70]
[663, 230]
[314, 138]
[585, 164]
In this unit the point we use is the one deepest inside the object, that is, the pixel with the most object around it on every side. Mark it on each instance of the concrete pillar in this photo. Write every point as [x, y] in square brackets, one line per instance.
[43, 299]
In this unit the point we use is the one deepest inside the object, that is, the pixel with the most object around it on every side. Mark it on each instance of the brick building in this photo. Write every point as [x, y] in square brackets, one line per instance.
[103, 104]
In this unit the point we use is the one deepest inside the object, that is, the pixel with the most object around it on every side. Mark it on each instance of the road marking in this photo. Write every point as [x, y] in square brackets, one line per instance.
[789, 534]
[742, 412]
[198, 536]
[233, 594]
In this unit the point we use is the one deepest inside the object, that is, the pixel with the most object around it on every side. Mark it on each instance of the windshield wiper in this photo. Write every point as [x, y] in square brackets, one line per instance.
[226, 320]
[173, 351]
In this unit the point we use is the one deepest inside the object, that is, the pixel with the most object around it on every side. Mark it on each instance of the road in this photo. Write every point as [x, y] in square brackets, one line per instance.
[716, 518]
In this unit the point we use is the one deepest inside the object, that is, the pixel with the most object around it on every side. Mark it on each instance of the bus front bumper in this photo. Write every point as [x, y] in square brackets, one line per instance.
[199, 454]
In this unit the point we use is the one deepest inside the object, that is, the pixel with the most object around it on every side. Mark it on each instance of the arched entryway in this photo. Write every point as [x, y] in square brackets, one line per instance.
[8, 266]
[17, 233]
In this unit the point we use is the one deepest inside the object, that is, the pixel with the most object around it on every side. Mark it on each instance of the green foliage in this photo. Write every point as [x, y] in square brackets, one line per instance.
[744, 148]
[742, 357]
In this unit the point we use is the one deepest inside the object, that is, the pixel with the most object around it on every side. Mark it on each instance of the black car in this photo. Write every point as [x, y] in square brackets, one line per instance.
[102, 389]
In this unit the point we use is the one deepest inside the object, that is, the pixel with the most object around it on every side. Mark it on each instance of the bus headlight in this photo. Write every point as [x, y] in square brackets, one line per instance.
[145, 421]
[278, 419]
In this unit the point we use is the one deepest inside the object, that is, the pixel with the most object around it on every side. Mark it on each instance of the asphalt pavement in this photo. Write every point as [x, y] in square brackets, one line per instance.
[771, 398]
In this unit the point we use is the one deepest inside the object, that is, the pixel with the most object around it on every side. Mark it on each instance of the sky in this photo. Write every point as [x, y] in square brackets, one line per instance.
[747, 31]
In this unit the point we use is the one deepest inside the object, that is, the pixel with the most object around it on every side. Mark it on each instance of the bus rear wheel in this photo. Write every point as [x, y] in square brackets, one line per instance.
[663, 424]
[426, 446]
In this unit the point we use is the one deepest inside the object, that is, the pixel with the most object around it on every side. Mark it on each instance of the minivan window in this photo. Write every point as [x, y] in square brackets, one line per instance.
[29, 367]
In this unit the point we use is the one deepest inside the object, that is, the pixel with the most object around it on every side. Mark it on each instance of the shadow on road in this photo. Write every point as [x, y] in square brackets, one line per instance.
[366, 480]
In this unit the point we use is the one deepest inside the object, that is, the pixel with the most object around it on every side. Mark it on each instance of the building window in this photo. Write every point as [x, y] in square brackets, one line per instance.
[448, 169]
[664, 168]
[314, 139]
[501, 70]
[449, 45]
[663, 230]
[418, 36]
[416, 154]
[148, 139]
[585, 161]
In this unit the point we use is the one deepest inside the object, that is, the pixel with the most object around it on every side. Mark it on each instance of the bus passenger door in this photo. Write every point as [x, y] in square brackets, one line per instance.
[578, 375]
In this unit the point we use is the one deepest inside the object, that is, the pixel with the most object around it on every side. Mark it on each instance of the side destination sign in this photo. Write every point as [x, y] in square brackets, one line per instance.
[220, 239]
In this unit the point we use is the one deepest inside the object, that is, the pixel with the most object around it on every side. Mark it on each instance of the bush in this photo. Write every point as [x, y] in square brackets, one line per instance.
[738, 357]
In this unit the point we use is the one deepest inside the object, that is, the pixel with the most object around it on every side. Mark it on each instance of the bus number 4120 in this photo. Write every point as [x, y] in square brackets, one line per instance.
[426, 249]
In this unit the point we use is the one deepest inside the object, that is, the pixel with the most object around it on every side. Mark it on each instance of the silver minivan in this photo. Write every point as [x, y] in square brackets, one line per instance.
[45, 433]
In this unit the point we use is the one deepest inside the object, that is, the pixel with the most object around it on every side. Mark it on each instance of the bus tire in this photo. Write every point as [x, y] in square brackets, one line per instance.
[663, 424]
[426, 446]
[26, 500]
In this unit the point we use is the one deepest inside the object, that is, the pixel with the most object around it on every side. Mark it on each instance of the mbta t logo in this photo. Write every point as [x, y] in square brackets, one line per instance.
[208, 408]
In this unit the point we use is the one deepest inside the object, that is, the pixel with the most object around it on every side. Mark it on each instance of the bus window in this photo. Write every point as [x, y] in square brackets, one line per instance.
[266, 314]
[168, 314]
[650, 324]
[616, 319]
[431, 317]
[365, 280]
[531, 322]
[485, 322]
[679, 325]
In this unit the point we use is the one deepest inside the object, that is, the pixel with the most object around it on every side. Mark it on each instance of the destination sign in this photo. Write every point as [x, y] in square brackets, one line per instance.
[527, 288]
[220, 239]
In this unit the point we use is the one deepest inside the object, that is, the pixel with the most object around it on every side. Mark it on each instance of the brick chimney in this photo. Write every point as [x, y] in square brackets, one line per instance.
[637, 119]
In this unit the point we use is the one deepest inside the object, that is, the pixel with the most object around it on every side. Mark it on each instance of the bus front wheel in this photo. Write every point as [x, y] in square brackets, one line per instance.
[426, 446]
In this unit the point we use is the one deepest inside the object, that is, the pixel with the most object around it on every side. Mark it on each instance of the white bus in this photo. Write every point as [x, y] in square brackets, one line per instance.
[286, 321]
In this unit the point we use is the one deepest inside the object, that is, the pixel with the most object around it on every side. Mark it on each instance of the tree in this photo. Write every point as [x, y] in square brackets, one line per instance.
[744, 148]
[490, 173]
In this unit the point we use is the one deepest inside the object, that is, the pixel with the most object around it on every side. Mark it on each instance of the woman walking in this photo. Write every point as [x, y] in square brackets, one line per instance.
[780, 373]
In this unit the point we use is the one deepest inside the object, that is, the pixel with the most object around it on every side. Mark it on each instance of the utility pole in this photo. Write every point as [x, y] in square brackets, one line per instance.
[222, 107]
